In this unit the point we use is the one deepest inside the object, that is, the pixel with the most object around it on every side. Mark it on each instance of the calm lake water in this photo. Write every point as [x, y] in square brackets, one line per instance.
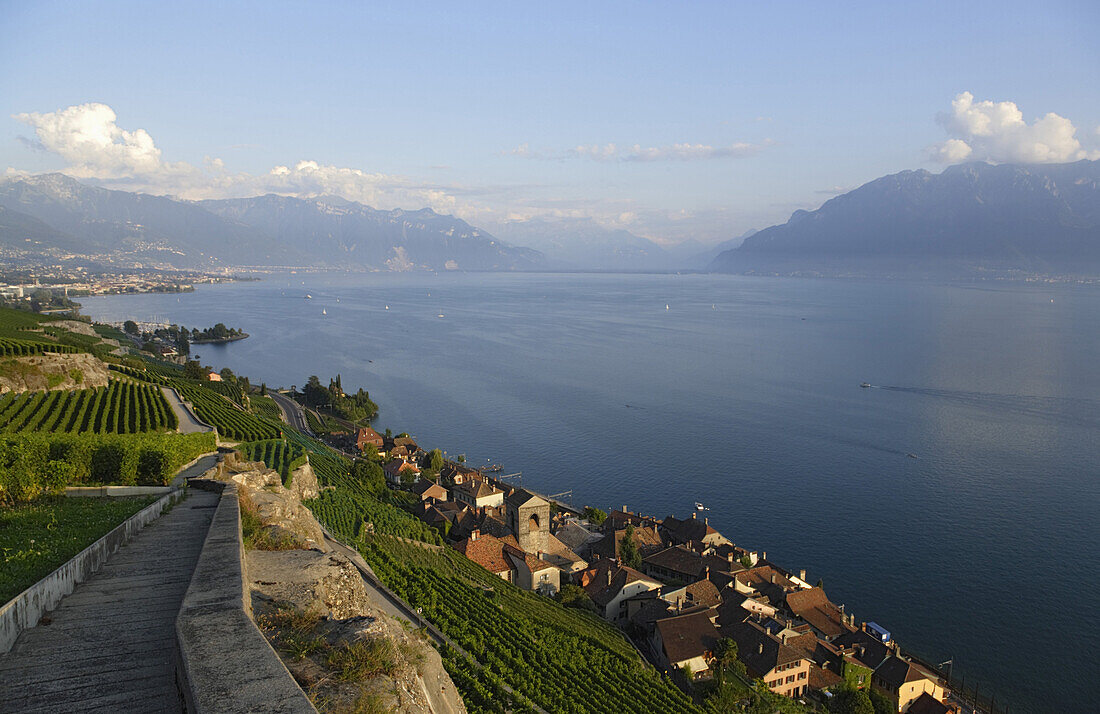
[745, 394]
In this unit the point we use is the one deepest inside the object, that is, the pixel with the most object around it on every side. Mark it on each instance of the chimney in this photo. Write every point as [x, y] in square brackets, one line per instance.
[624, 509]
[802, 575]
[474, 534]
[693, 515]
[764, 555]
[729, 558]
[609, 577]
[706, 521]
[760, 648]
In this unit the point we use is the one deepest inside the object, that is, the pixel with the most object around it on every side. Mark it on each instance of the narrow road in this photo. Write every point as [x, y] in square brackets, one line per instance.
[188, 422]
[295, 416]
[109, 646]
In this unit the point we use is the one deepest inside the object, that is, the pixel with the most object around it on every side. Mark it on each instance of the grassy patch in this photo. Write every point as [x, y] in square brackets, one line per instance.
[37, 538]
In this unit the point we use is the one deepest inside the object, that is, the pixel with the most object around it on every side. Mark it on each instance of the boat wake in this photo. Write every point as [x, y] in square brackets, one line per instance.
[1072, 410]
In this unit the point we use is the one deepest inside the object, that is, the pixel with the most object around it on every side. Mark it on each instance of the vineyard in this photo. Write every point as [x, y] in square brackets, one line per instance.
[283, 456]
[266, 407]
[16, 347]
[231, 422]
[344, 514]
[562, 659]
[121, 408]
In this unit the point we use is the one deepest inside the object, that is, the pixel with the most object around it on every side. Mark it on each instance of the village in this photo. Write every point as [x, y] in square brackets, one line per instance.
[680, 589]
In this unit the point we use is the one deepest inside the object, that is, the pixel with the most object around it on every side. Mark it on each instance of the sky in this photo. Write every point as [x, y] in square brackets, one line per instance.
[674, 121]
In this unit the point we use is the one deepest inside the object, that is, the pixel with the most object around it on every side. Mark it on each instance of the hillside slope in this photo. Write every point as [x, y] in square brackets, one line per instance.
[1002, 215]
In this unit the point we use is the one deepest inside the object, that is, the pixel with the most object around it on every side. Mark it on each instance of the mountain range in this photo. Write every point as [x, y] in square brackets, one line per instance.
[52, 213]
[1031, 217]
[1039, 218]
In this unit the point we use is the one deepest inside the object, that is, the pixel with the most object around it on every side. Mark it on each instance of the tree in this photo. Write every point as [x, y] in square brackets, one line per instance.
[594, 515]
[315, 394]
[130, 327]
[370, 475]
[820, 583]
[220, 331]
[263, 389]
[881, 703]
[851, 701]
[183, 345]
[193, 370]
[572, 595]
[628, 551]
[227, 375]
[435, 462]
[746, 561]
[725, 655]
[370, 452]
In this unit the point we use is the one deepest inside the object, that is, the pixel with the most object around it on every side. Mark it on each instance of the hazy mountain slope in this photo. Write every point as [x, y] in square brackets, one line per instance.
[134, 228]
[23, 231]
[1004, 214]
[139, 225]
[581, 243]
[340, 232]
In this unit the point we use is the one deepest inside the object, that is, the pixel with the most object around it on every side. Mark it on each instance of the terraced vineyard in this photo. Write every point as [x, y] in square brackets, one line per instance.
[18, 347]
[231, 422]
[121, 408]
[562, 659]
[283, 456]
[266, 407]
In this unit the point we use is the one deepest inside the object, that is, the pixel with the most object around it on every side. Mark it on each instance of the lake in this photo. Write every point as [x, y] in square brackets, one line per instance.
[954, 502]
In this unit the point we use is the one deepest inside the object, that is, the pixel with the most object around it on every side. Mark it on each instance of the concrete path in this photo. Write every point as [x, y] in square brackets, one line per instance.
[110, 645]
[188, 422]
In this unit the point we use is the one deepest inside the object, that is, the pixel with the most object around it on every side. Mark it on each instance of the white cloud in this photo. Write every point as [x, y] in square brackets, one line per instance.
[88, 137]
[639, 153]
[997, 132]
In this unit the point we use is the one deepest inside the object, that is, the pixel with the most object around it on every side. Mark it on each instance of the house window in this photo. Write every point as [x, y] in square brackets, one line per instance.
[790, 679]
[801, 675]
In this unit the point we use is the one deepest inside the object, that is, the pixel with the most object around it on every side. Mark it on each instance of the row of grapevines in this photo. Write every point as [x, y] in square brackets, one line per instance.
[232, 423]
[120, 408]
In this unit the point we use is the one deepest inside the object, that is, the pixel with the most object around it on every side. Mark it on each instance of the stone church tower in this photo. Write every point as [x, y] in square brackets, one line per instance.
[529, 518]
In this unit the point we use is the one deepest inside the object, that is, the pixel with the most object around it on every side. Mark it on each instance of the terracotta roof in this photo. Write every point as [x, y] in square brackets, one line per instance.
[821, 678]
[896, 672]
[703, 593]
[597, 586]
[867, 650]
[767, 580]
[560, 554]
[677, 559]
[533, 564]
[425, 488]
[487, 551]
[760, 651]
[575, 536]
[644, 539]
[814, 607]
[475, 489]
[520, 497]
[927, 704]
[687, 529]
[687, 636]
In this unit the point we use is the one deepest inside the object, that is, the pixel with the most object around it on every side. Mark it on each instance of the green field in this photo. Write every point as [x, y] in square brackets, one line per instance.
[39, 537]
[121, 408]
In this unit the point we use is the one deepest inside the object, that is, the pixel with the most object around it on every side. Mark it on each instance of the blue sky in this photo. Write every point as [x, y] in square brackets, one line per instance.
[672, 120]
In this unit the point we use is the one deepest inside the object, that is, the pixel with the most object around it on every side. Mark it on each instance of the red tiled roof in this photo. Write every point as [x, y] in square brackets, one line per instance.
[687, 636]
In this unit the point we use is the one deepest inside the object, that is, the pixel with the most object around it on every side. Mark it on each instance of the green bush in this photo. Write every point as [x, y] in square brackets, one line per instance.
[36, 465]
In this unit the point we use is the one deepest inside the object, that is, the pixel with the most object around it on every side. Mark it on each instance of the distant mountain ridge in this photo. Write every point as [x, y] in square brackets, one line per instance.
[56, 212]
[1004, 214]
[581, 243]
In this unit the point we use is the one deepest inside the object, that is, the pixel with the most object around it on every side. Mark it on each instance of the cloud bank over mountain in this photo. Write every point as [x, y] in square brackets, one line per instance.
[997, 132]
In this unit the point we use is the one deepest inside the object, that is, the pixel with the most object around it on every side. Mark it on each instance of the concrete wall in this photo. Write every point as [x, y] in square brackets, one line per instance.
[224, 663]
[27, 608]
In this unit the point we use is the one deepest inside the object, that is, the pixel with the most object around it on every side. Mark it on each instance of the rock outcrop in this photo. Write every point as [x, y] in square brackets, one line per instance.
[52, 371]
[314, 606]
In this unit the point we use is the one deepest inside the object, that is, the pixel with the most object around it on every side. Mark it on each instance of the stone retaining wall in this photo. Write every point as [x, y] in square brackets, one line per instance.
[224, 663]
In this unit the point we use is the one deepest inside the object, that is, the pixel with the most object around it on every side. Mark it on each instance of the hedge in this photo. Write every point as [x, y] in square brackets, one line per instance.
[35, 465]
